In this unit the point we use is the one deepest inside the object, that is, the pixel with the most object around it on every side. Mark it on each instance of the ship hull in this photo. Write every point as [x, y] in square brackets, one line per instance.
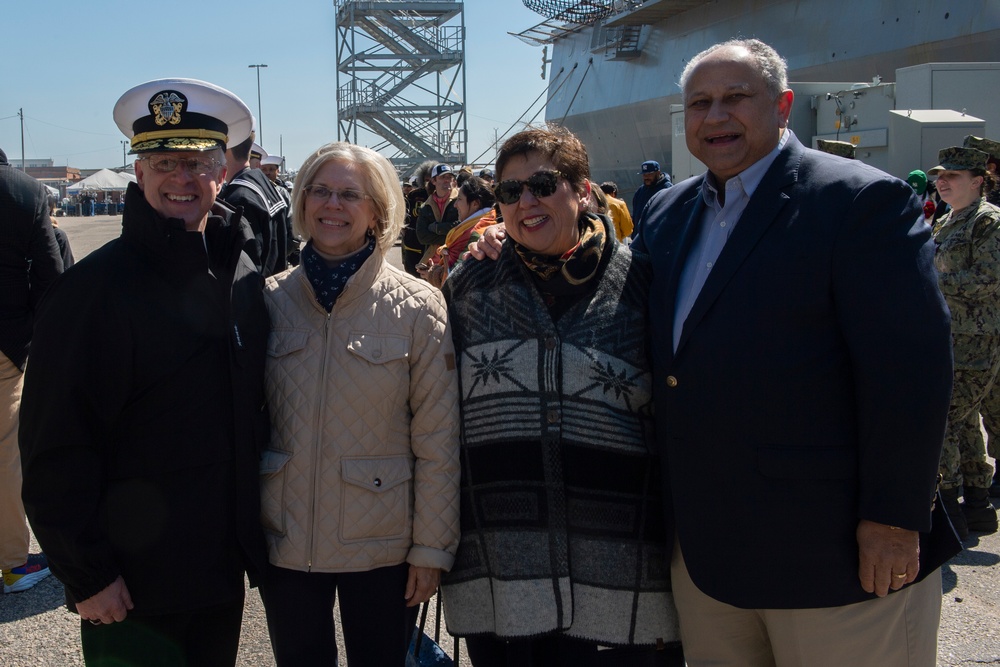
[621, 107]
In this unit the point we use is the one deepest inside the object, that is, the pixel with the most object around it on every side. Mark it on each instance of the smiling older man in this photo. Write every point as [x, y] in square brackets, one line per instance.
[142, 413]
[805, 365]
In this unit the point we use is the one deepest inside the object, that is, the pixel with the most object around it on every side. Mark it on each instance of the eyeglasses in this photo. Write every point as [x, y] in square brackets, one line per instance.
[540, 184]
[323, 194]
[198, 166]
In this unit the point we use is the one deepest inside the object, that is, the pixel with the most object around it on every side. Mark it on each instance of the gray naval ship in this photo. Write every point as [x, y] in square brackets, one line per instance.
[862, 71]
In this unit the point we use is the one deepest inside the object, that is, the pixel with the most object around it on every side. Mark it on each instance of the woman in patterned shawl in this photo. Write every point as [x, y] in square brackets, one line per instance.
[562, 548]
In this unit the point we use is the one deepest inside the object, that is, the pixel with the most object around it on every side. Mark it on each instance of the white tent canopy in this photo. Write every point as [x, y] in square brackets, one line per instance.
[105, 180]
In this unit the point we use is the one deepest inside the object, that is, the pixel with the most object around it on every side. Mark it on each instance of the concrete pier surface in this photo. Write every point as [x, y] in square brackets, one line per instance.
[36, 629]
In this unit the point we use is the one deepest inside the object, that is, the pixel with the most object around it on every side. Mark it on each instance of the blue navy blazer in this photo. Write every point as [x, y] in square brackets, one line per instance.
[811, 381]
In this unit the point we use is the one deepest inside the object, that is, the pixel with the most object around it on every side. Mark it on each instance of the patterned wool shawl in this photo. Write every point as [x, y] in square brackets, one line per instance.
[561, 511]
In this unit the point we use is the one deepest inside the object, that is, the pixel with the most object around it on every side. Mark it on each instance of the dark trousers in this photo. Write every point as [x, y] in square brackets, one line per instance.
[203, 638]
[377, 623]
[412, 250]
[562, 651]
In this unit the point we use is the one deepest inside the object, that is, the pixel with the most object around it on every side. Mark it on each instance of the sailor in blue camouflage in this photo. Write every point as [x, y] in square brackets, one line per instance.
[968, 264]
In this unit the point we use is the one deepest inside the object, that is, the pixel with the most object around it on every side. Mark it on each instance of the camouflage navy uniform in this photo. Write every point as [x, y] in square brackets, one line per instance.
[992, 148]
[841, 148]
[990, 412]
[990, 409]
[968, 264]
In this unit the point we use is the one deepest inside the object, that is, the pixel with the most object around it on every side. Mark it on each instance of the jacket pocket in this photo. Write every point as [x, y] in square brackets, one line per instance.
[377, 500]
[286, 341]
[379, 348]
[272, 490]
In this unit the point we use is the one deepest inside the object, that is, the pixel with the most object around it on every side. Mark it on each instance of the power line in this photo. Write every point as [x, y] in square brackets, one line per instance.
[70, 129]
[493, 146]
[590, 63]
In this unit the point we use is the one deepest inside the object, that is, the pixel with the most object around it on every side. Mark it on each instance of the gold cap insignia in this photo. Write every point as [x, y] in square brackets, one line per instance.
[167, 107]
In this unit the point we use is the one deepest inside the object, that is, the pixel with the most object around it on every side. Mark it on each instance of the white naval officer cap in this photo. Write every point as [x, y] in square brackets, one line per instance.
[271, 159]
[182, 115]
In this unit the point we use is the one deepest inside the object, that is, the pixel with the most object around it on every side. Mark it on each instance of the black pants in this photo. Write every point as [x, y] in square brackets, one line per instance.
[562, 651]
[377, 623]
[203, 638]
[412, 250]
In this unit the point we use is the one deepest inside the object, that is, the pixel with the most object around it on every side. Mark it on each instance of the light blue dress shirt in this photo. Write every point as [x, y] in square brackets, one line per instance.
[717, 222]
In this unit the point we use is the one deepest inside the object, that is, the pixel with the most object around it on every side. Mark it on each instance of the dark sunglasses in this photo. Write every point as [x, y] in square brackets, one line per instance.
[540, 184]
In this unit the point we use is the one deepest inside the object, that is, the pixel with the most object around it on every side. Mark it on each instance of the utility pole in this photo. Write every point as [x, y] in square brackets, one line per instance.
[124, 163]
[260, 119]
[20, 112]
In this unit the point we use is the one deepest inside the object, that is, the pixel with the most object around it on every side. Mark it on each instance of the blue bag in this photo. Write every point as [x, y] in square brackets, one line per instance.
[424, 651]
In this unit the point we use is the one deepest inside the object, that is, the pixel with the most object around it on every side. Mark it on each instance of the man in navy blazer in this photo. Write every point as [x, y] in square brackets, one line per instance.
[803, 372]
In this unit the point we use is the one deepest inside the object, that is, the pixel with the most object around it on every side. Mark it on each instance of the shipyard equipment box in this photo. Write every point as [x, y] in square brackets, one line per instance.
[683, 164]
[916, 136]
[858, 114]
[970, 87]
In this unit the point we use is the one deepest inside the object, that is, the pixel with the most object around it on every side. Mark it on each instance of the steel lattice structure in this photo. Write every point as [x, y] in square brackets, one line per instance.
[565, 17]
[401, 76]
[579, 11]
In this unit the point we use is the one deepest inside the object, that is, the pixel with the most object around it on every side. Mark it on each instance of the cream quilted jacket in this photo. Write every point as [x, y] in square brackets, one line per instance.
[362, 470]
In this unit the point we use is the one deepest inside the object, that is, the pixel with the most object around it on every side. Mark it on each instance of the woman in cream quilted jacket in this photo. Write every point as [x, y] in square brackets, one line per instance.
[360, 484]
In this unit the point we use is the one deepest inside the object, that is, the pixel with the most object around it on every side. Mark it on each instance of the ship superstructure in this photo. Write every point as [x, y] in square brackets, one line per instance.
[616, 63]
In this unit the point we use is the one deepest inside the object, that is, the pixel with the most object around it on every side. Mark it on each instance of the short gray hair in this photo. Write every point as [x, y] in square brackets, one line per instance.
[771, 66]
[382, 185]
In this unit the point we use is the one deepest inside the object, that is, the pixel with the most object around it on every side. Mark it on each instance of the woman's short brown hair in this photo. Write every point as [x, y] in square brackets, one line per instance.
[556, 143]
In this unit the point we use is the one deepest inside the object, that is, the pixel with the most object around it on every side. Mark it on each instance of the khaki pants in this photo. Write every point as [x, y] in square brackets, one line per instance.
[13, 528]
[900, 629]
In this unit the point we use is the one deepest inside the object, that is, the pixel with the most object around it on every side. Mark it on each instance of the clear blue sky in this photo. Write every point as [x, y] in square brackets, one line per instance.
[66, 64]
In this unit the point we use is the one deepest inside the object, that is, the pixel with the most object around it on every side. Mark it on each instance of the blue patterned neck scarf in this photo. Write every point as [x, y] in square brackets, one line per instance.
[329, 281]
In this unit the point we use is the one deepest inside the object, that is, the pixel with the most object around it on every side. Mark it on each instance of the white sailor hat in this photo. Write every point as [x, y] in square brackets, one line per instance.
[257, 152]
[271, 159]
[181, 115]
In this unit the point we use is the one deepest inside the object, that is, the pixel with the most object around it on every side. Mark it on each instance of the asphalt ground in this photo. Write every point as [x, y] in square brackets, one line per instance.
[36, 630]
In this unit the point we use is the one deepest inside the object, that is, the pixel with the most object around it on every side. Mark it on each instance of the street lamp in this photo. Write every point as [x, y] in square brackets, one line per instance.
[260, 120]
[124, 143]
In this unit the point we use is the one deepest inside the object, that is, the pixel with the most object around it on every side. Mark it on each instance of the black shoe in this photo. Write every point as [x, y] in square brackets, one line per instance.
[979, 513]
[954, 511]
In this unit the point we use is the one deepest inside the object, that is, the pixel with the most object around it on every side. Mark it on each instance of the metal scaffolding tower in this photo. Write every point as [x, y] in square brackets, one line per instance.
[401, 77]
